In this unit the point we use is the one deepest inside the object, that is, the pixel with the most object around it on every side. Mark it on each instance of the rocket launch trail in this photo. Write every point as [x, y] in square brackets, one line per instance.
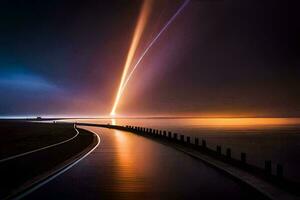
[126, 78]
[142, 20]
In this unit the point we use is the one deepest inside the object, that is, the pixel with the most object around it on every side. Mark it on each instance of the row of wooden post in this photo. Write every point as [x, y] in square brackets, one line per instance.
[181, 139]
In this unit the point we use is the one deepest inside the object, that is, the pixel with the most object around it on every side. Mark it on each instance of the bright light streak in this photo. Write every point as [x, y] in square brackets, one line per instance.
[152, 43]
[142, 20]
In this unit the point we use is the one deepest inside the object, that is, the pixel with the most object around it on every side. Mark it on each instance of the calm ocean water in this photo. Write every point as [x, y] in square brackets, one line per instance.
[276, 139]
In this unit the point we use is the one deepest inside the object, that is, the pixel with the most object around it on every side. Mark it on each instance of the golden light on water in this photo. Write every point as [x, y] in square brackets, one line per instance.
[241, 122]
[211, 123]
[142, 20]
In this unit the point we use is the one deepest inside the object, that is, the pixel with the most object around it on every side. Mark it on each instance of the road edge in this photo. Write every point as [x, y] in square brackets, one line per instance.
[62, 168]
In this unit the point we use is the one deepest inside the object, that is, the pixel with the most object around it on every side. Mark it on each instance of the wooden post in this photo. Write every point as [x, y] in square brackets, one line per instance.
[188, 139]
[196, 141]
[182, 138]
[169, 135]
[165, 132]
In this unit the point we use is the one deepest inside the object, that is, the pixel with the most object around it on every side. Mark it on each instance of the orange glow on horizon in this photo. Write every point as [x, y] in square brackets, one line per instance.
[142, 20]
[245, 122]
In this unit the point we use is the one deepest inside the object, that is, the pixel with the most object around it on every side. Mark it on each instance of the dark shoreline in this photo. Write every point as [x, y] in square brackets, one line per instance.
[20, 174]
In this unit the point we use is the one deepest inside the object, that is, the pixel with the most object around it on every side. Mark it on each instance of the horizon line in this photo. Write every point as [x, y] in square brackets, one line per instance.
[58, 117]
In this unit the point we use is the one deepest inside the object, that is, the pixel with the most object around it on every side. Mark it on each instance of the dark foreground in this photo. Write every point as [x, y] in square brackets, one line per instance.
[19, 137]
[126, 166]
[19, 173]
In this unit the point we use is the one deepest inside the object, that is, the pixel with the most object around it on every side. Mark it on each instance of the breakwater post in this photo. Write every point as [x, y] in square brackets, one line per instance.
[188, 140]
[175, 136]
[182, 138]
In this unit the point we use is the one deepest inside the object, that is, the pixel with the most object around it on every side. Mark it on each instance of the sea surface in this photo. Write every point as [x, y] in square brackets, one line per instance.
[275, 139]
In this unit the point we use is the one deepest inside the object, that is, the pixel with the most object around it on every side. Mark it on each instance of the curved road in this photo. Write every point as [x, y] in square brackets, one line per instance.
[127, 166]
[40, 149]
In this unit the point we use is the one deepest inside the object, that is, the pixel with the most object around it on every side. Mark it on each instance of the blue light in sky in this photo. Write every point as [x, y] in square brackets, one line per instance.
[16, 79]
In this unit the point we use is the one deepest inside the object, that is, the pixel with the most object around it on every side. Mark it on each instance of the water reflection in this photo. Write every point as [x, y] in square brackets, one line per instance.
[147, 170]
[129, 179]
[277, 139]
[206, 123]
[241, 122]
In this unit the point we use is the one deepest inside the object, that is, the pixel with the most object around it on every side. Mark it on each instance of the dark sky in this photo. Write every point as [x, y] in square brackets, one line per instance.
[61, 57]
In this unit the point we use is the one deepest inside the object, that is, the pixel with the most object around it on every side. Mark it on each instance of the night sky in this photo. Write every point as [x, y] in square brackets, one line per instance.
[218, 58]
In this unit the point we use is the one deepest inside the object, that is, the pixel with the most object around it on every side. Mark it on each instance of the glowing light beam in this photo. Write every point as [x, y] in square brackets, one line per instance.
[124, 80]
[142, 20]
[151, 44]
